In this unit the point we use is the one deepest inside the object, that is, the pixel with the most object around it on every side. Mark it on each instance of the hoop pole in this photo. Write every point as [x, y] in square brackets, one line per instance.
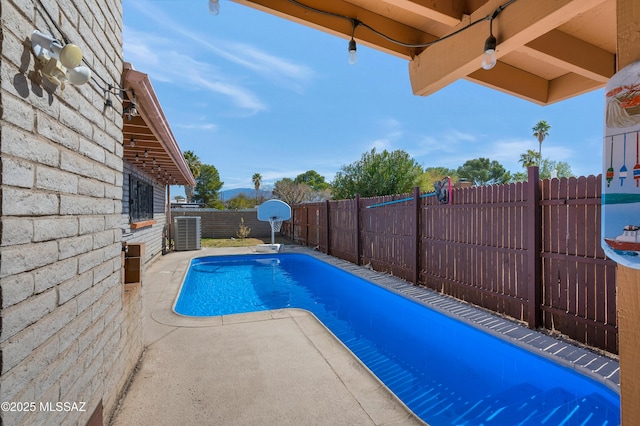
[273, 238]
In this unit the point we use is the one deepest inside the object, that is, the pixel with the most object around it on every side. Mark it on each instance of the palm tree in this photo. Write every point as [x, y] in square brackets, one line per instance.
[257, 180]
[541, 131]
[529, 158]
[194, 164]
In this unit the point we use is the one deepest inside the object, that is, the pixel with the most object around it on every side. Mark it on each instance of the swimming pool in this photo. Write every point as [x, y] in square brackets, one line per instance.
[446, 371]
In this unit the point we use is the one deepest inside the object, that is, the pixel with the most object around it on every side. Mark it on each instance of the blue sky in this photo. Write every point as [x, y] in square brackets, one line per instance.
[253, 93]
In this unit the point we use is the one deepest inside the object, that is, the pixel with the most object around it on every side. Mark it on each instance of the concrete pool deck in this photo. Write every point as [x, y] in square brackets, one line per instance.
[275, 367]
[283, 366]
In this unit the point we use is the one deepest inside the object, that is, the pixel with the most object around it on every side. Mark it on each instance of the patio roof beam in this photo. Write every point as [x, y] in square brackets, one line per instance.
[522, 22]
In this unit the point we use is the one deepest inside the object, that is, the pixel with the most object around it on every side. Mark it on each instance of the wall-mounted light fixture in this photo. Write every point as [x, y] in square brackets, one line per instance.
[59, 63]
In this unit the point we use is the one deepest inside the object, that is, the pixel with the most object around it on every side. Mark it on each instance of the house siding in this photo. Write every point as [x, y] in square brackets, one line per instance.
[151, 236]
[69, 333]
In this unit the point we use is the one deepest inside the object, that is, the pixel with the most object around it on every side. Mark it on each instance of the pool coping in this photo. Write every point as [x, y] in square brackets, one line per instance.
[604, 369]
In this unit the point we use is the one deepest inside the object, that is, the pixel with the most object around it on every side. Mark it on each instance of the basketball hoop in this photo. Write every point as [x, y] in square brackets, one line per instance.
[275, 212]
[276, 223]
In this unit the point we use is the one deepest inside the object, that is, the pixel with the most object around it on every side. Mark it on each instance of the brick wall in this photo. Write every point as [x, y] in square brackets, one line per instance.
[225, 224]
[68, 333]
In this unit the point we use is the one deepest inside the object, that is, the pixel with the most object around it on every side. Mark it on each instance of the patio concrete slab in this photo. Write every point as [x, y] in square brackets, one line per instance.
[275, 367]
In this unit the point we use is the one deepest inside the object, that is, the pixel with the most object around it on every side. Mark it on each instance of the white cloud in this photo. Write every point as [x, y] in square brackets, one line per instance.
[204, 126]
[278, 70]
[177, 68]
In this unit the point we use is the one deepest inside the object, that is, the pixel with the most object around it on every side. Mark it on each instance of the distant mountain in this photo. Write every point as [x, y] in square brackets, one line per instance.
[249, 192]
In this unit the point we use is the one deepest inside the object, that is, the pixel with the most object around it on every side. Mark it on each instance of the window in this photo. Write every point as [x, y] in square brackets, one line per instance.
[140, 200]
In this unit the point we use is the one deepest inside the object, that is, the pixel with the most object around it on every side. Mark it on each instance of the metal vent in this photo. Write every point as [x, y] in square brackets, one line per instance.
[187, 232]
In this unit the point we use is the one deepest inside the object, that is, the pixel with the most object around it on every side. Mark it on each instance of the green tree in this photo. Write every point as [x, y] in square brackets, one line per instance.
[208, 184]
[240, 202]
[432, 175]
[560, 169]
[529, 158]
[482, 171]
[383, 173]
[257, 181]
[313, 179]
[194, 164]
[290, 192]
[540, 132]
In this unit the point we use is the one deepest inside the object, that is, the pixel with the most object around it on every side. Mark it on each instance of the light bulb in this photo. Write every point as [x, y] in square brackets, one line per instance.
[70, 55]
[132, 143]
[214, 7]
[489, 58]
[78, 75]
[353, 53]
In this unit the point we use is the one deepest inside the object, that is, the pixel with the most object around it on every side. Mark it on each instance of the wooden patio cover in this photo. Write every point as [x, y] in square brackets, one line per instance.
[548, 50]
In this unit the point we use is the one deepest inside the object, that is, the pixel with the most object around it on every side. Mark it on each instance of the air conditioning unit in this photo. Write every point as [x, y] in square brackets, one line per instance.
[186, 231]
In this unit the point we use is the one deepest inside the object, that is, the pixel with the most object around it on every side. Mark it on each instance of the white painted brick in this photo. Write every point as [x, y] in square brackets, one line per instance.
[71, 288]
[80, 205]
[113, 310]
[53, 322]
[50, 128]
[54, 274]
[13, 21]
[53, 228]
[98, 308]
[75, 121]
[17, 173]
[27, 257]
[90, 260]
[91, 187]
[27, 146]
[18, 317]
[89, 297]
[77, 164]
[76, 205]
[113, 192]
[91, 150]
[22, 202]
[103, 239]
[67, 383]
[113, 251]
[74, 246]
[105, 140]
[112, 221]
[18, 112]
[68, 336]
[91, 224]
[103, 271]
[56, 180]
[114, 161]
[16, 288]
[87, 338]
[16, 348]
[16, 231]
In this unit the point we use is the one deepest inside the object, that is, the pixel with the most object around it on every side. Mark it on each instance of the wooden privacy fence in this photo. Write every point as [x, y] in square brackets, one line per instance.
[528, 251]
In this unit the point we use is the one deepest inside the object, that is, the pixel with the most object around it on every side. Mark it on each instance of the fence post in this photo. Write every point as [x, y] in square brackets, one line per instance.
[328, 227]
[416, 239]
[533, 230]
[357, 200]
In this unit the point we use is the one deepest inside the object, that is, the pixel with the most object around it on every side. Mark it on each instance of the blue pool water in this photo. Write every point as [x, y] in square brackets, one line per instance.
[447, 372]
